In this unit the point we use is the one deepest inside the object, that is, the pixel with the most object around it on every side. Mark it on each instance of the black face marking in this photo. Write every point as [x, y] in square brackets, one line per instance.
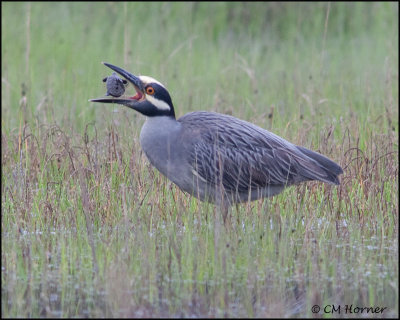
[161, 93]
[115, 85]
[149, 109]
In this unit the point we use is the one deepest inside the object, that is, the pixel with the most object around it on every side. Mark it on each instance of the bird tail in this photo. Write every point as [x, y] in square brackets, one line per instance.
[330, 169]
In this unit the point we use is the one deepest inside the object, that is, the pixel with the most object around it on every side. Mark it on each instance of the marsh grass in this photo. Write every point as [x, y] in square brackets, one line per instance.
[90, 229]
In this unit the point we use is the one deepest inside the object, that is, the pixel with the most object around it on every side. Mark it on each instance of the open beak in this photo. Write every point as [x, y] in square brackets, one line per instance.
[137, 84]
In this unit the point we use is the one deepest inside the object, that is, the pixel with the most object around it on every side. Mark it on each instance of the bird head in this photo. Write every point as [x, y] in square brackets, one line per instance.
[151, 98]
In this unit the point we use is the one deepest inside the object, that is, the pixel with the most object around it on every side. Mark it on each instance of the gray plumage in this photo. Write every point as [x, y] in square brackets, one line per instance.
[222, 159]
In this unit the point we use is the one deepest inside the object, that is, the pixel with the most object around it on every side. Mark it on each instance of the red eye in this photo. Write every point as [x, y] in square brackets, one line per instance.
[150, 90]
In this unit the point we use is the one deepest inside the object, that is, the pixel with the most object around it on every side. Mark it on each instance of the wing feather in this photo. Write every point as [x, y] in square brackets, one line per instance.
[242, 156]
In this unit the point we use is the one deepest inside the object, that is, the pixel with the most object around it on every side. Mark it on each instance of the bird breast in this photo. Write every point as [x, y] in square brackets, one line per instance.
[158, 138]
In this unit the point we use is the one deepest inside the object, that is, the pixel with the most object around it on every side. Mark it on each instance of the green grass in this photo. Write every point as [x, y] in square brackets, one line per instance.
[90, 229]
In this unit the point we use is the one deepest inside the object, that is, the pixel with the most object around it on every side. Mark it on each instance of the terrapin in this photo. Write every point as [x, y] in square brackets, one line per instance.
[115, 85]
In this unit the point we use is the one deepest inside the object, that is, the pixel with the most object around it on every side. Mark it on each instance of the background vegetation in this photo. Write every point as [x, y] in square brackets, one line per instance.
[89, 229]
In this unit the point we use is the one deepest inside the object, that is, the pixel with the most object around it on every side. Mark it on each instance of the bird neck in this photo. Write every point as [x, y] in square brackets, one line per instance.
[160, 122]
[157, 130]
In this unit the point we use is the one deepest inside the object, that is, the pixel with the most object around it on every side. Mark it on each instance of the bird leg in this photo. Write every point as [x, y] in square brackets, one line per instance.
[224, 211]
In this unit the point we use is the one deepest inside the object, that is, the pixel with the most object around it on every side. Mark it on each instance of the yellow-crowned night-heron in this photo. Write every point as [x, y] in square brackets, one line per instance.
[216, 157]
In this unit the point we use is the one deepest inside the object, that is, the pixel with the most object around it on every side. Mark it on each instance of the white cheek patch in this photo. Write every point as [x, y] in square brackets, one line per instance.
[159, 104]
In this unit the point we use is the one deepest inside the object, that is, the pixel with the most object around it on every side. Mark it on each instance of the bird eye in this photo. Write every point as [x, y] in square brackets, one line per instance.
[150, 90]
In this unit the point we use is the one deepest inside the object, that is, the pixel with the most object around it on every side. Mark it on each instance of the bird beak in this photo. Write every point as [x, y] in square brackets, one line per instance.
[125, 100]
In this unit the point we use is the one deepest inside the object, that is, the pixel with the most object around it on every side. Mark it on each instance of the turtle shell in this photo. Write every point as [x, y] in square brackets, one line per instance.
[115, 85]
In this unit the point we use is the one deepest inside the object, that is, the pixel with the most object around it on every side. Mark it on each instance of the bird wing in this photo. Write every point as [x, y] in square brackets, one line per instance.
[242, 156]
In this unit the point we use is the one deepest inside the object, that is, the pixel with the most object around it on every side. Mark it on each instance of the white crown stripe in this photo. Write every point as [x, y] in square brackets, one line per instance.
[147, 80]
